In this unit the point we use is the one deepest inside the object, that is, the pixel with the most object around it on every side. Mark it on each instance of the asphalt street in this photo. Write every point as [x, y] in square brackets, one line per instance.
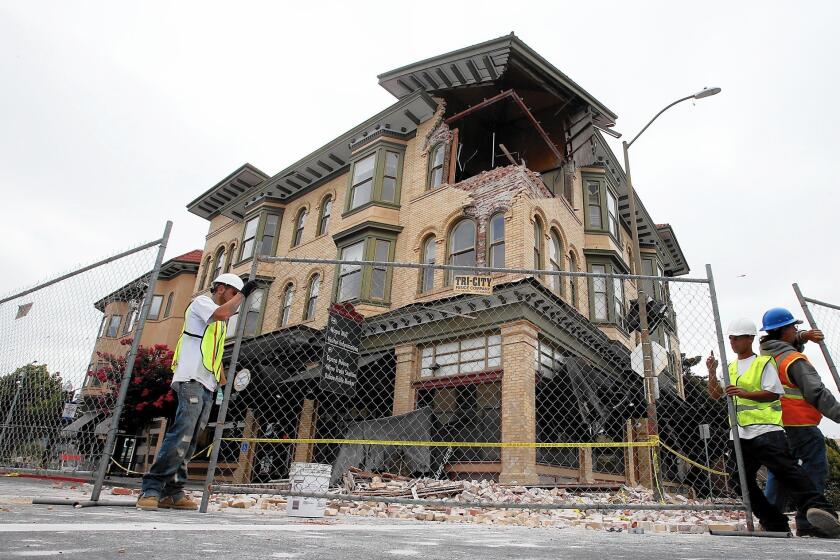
[29, 531]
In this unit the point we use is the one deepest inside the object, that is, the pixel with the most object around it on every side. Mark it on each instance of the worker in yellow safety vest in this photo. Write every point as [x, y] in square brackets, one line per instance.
[197, 367]
[805, 402]
[755, 390]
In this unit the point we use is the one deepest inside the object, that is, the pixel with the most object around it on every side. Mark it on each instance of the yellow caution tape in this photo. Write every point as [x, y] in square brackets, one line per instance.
[129, 471]
[695, 463]
[652, 442]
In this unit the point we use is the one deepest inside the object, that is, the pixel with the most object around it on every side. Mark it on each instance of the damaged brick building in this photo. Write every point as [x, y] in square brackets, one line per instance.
[489, 157]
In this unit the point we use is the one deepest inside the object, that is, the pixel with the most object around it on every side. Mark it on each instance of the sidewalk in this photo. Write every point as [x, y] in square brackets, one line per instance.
[124, 532]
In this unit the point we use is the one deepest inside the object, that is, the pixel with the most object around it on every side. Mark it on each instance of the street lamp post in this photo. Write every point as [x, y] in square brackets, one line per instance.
[647, 354]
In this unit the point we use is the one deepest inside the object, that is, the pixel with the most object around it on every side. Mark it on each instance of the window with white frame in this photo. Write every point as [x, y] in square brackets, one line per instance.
[350, 275]
[427, 275]
[599, 293]
[612, 213]
[312, 297]
[496, 252]
[461, 247]
[113, 326]
[550, 360]
[555, 261]
[361, 189]
[326, 211]
[469, 355]
[436, 166]
[154, 310]
[288, 296]
[167, 311]
[249, 238]
[593, 204]
[300, 223]
[217, 263]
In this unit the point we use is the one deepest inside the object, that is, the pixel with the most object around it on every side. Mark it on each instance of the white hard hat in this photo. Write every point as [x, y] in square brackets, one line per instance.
[742, 327]
[229, 279]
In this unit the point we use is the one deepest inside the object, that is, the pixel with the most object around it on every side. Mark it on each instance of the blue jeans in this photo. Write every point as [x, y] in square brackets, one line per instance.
[169, 471]
[808, 445]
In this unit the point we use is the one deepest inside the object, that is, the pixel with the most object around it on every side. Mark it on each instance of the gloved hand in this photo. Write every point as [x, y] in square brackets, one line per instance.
[249, 287]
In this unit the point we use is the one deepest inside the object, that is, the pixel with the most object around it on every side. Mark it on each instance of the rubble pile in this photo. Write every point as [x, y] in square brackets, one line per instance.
[460, 495]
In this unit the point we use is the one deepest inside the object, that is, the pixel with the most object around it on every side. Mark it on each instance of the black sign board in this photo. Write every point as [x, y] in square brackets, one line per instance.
[342, 341]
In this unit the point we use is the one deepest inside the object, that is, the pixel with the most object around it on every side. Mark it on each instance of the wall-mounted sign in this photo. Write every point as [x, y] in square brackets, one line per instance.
[473, 284]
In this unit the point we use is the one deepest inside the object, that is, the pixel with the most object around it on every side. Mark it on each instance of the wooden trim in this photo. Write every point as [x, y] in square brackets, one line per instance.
[453, 156]
[458, 380]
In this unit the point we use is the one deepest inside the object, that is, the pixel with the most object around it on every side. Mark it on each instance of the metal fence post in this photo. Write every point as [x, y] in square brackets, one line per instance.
[10, 414]
[108, 450]
[222, 416]
[826, 354]
[730, 406]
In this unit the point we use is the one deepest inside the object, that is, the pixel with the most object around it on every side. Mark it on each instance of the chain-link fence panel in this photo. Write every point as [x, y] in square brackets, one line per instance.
[398, 380]
[63, 348]
[825, 317]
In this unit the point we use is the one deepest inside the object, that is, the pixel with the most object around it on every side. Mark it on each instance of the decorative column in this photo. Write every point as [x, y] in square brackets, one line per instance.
[404, 393]
[519, 344]
[306, 430]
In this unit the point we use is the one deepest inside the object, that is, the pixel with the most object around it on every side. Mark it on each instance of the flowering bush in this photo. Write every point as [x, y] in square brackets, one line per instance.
[149, 393]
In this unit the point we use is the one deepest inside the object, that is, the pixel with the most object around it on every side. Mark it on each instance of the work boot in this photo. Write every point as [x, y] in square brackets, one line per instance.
[808, 532]
[148, 503]
[825, 522]
[183, 502]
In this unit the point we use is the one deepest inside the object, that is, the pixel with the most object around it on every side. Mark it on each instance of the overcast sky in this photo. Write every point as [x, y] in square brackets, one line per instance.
[114, 115]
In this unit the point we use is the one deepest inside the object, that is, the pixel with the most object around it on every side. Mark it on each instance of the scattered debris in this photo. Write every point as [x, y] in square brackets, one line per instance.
[462, 492]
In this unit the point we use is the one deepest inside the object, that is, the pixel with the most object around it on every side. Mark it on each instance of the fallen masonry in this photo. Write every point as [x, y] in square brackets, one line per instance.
[458, 494]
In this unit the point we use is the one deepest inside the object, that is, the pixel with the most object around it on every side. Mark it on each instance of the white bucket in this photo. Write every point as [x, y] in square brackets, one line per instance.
[308, 477]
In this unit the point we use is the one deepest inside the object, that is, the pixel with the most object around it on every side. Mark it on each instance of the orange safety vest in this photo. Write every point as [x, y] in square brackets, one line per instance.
[796, 411]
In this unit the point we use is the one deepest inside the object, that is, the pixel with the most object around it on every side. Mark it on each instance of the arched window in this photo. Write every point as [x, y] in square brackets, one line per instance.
[167, 311]
[288, 295]
[205, 282]
[496, 251]
[229, 260]
[324, 218]
[312, 297]
[573, 280]
[300, 222]
[427, 275]
[538, 243]
[555, 262]
[461, 247]
[436, 166]
[217, 263]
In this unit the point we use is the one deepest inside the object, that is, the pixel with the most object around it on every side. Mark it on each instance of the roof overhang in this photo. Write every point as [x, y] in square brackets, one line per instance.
[136, 289]
[527, 292]
[240, 181]
[484, 64]
[332, 159]
[666, 233]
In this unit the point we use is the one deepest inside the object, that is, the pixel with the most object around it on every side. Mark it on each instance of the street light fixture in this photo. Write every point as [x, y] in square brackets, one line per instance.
[644, 334]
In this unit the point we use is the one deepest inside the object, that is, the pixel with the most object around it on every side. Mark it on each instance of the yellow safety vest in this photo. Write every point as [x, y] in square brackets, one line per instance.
[750, 412]
[212, 346]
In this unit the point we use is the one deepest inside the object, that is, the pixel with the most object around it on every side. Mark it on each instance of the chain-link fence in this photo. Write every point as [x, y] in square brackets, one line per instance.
[437, 375]
[65, 346]
[825, 317]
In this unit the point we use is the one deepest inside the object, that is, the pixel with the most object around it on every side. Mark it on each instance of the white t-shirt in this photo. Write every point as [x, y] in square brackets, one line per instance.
[190, 365]
[769, 382]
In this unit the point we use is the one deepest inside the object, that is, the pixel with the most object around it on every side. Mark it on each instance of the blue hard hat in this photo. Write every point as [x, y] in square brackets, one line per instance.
[777, 318]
